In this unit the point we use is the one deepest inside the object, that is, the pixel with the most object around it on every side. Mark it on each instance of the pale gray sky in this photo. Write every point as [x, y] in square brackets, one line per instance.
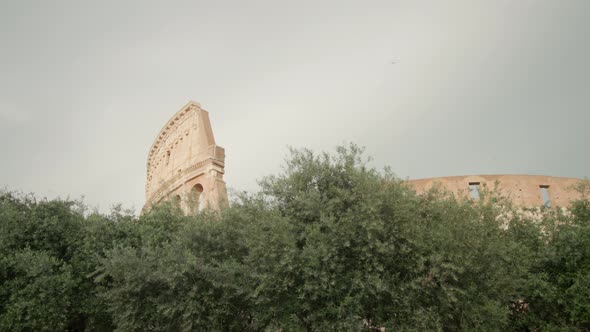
[477, 87]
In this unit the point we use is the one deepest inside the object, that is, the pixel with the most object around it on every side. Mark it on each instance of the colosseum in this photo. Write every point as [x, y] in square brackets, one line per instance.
[185, 165]
[526, 191]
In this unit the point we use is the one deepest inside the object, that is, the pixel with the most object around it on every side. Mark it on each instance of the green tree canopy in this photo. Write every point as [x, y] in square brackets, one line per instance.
[327, 244]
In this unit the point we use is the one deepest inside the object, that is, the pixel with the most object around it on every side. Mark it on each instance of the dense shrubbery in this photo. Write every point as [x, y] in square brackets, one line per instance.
[329, 244]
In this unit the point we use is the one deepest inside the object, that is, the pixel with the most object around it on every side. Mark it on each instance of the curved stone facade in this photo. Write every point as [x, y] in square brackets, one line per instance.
[524, 190]
[185, 165]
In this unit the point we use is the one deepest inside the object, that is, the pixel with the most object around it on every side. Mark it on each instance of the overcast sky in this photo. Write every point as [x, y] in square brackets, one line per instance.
[477, 87]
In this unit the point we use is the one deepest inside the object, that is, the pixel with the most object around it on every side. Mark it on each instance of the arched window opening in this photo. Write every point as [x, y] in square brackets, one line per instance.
[167, 157]
[176, 200]
[196, 198]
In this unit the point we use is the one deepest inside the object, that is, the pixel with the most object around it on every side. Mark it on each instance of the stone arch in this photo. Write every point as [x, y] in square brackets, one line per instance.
[177, 201]
[196, 198]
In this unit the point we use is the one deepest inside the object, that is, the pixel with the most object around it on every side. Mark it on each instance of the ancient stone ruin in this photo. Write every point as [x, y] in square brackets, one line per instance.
[526, 191]
[185, 165]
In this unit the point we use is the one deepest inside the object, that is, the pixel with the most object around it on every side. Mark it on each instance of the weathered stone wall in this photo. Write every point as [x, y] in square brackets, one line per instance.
[184, 163]
[524, 190]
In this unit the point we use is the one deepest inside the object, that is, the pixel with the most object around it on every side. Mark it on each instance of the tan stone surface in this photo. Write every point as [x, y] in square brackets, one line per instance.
[184, 163]
[524, 190]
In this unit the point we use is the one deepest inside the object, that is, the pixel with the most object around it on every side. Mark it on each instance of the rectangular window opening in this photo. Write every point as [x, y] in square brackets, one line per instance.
[474, 190]
[545, 195]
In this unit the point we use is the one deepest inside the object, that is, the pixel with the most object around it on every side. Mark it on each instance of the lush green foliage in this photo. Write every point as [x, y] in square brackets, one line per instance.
[328, 244]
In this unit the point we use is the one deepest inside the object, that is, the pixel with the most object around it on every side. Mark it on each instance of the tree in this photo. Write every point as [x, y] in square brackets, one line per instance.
[557, 290]
[328, 244]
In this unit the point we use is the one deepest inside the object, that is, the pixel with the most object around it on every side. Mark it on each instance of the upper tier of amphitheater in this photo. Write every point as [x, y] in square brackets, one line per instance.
[524, 190]
[184, 163]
